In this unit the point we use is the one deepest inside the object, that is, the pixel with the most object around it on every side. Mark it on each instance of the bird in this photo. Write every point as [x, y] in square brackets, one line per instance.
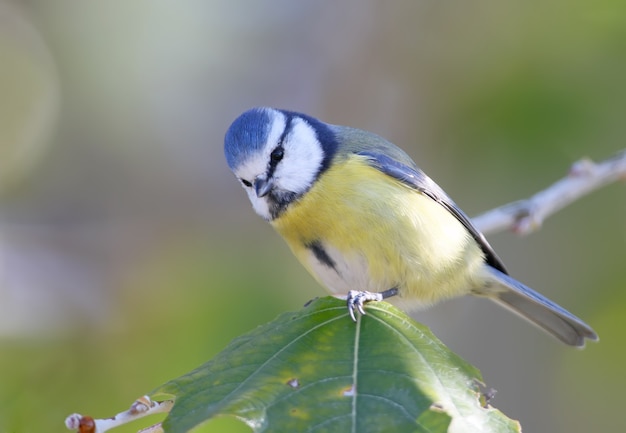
[369, 224]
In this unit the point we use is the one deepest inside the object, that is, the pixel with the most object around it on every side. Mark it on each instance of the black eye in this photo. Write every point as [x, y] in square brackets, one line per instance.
[246, 183]
[277, 154]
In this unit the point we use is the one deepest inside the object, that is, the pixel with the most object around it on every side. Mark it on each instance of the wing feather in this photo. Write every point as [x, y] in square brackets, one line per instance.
[417, 179]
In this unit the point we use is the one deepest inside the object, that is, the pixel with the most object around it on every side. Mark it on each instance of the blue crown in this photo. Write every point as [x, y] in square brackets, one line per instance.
[247, 135]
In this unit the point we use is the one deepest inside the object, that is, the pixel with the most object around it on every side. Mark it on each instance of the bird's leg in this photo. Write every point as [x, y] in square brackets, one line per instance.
[356, 299]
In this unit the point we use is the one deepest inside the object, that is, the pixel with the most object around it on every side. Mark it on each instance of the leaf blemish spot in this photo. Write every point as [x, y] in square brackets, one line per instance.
[350, 392]
[294, 383]
[310, 301]
[437, 407]
[487, 396]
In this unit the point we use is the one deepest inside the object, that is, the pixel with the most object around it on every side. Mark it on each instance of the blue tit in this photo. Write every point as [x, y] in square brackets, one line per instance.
[367, 222]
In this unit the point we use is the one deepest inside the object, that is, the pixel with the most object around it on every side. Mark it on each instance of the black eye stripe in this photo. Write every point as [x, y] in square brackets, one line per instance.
[279, 151]
[275, 157]
[246, 182]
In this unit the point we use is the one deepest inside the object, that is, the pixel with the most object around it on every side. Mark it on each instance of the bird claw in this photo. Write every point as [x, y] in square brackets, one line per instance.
[356, 300]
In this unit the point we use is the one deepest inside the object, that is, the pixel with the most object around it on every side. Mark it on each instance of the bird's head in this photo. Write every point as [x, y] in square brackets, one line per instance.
[277, 156]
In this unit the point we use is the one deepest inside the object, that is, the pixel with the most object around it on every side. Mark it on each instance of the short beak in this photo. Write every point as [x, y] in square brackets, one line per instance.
[262, 187]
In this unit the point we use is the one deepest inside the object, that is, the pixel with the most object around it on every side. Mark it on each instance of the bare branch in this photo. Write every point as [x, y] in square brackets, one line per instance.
[143, 406]
[525, 216]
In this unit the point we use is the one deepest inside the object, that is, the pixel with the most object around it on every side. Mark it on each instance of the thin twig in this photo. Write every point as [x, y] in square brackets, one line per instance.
[525, 216]
[141, 407]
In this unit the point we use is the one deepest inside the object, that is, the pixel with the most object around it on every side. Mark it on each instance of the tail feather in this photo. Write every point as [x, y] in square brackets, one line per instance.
[537, 309]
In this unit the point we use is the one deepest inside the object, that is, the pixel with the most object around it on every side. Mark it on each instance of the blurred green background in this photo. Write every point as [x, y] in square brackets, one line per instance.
[129, 254]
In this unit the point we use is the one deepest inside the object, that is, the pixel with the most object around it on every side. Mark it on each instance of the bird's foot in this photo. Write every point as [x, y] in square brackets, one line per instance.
[356, 300]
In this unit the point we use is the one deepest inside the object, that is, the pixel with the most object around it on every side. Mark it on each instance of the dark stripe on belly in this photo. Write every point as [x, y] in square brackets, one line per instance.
[320, 254]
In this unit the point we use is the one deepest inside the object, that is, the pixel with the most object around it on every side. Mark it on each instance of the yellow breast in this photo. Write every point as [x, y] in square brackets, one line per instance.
[379, 233]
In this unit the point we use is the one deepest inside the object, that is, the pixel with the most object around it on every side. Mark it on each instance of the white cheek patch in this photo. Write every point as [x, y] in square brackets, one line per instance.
[302, 161]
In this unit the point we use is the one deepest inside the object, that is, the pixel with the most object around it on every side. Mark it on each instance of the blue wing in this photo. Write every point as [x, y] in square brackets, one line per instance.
[417, 179]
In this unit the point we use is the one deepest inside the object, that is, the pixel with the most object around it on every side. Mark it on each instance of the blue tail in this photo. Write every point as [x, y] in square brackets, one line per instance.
[537, 309]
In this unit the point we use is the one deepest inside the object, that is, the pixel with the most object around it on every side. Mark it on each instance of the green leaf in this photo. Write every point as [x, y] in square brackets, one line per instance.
[317, 371]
